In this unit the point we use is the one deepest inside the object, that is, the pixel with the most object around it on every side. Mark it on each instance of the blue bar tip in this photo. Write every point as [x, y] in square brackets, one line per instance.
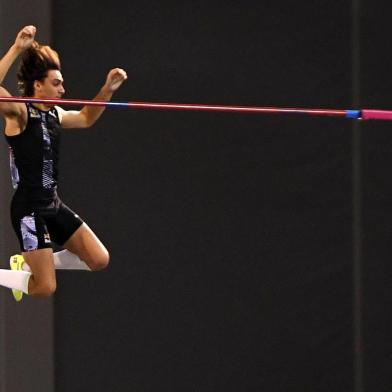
[354, 114]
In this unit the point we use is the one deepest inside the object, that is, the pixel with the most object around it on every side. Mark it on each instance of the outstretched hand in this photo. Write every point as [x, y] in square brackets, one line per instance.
[115, 79]
[25, 37]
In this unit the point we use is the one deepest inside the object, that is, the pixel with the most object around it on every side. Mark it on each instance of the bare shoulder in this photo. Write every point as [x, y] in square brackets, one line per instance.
[15, 124]
[71, 118]
[15, 115]
[12, 111]
[60, 112]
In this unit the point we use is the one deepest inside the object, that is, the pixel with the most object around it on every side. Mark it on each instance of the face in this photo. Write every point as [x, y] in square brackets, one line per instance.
[51, 87]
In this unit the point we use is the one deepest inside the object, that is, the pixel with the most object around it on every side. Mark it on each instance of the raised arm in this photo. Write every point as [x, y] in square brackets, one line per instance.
[23, 41]
[90, 114]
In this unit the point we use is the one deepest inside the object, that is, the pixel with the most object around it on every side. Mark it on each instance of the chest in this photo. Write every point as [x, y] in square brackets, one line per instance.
[41, 135]
[42, 128]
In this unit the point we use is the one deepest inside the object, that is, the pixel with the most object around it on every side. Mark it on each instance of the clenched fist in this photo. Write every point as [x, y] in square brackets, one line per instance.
[25, 38]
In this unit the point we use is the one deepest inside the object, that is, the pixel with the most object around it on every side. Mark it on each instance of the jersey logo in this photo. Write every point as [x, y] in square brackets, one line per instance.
[34, 113]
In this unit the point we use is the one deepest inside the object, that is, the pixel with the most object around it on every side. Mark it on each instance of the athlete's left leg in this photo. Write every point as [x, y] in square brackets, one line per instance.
[86, 245]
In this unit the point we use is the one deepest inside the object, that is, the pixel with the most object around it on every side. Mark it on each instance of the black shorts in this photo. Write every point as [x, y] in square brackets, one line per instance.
[38, 223]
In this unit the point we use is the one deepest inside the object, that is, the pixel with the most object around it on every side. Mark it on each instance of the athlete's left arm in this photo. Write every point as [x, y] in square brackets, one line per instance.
[90, 114]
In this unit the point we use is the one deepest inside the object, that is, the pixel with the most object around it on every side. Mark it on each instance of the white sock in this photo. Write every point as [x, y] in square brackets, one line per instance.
[18, 280]
[69, 261]
[65, 260]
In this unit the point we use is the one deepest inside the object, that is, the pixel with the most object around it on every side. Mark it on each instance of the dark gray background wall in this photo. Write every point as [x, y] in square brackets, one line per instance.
[231, 235]
[377, 273]
[26, 328]
[249, 253]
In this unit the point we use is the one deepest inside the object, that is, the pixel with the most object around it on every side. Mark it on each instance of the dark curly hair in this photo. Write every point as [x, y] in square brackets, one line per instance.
[35, 64]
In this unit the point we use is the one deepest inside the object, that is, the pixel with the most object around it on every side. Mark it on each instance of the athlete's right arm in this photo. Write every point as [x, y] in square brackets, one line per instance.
[24, 40]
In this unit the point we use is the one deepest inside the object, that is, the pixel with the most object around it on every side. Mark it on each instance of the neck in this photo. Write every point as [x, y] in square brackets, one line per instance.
[41, 106]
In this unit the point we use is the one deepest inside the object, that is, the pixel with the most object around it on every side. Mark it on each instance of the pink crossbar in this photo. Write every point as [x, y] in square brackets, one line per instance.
[369, 114]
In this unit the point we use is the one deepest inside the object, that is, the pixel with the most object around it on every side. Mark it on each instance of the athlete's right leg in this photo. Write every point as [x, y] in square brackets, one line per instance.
[43, 279]
[40, 278]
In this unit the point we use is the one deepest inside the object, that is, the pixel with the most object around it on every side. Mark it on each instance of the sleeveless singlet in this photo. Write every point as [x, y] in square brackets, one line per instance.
[34, 153]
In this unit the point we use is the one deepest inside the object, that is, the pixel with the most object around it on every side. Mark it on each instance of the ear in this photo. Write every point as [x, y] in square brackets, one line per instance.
[37, 85]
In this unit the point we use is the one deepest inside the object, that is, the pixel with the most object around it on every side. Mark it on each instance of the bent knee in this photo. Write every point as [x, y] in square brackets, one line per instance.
[100, 261]
[44, 289]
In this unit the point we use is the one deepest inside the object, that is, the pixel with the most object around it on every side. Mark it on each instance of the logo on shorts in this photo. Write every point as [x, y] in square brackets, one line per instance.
[47, 238]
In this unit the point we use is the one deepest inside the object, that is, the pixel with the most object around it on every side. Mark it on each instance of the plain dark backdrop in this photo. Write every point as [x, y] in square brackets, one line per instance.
[230, 235]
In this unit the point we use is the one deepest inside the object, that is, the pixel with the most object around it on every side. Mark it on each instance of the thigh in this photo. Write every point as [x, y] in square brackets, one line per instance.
[42, 266]
[88, 247]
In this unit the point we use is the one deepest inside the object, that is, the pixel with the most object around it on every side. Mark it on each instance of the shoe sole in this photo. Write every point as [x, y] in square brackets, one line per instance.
[16, 265]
